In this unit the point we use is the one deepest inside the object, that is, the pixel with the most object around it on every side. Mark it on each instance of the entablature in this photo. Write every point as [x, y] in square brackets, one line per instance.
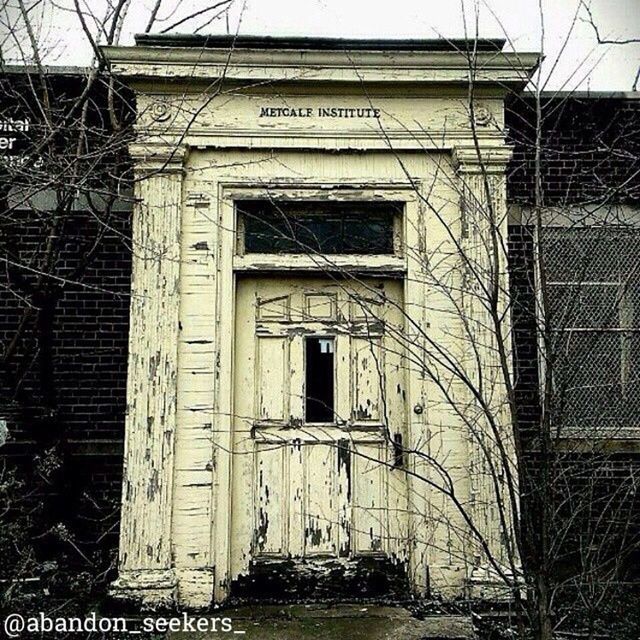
[286, 95]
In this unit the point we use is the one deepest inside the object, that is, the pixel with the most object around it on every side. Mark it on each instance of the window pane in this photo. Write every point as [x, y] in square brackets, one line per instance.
[318, 227]
[319, 379]
[587, 382]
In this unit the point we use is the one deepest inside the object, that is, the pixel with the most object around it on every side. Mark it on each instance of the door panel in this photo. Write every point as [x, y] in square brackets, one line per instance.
[369, 503]
[366, 369]
[321, 509]
[272, 355]
[316, 490]
[271, 500]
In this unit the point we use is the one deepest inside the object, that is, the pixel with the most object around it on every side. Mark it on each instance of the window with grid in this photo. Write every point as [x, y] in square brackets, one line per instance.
[593, 276]
[318, 227]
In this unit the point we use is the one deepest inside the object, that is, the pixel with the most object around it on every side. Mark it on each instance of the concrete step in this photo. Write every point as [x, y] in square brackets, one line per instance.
[339, 622]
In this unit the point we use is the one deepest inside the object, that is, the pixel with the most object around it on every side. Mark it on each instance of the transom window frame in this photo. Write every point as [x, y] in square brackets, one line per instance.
[391, 265]
[299, 213]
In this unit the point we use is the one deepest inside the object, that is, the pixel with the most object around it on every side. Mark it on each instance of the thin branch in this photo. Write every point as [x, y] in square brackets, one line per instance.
[196, 14]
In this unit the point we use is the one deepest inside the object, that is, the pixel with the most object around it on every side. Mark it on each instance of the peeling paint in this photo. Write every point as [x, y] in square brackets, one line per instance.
[332, 497]
[344, 464]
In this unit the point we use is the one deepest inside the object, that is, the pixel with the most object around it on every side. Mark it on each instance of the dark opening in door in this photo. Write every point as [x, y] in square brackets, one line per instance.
[319, 379]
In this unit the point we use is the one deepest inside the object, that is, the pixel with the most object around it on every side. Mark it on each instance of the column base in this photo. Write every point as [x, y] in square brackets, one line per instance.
[195, 588]
[485, 583]
[150, 588]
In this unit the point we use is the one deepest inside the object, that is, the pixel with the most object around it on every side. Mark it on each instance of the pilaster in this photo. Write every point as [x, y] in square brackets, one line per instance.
[486, 361]
[146, 572]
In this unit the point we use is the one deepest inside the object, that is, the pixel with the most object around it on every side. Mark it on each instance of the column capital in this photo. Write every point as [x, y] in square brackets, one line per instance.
[467, 158]
[158, 157]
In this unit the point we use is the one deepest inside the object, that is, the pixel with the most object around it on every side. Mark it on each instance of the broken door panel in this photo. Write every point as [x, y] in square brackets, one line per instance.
[319, 365]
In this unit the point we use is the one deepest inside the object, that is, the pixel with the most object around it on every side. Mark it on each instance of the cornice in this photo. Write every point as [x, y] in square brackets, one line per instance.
[508, 69]
[315, 43]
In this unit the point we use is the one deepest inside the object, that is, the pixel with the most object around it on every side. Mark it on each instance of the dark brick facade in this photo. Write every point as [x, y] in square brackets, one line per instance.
[63, 336]
[591, 149]
[590, 156]
[66, 383]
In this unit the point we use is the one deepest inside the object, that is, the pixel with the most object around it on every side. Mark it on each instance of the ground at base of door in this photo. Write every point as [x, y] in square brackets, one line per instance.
[340, 622]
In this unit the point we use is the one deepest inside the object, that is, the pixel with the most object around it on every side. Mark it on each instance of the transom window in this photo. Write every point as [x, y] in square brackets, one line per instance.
[312, 227]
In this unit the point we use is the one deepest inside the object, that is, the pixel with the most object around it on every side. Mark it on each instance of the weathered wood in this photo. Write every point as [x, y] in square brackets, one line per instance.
[335, 475]
[195, 461]
[491, 454]
[146, 564]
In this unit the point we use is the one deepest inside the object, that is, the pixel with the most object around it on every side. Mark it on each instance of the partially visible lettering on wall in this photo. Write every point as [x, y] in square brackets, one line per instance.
[10, 130]
[319, 112]
[14, 140]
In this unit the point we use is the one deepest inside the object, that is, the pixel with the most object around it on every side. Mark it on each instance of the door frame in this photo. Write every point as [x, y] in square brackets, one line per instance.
[404, 265]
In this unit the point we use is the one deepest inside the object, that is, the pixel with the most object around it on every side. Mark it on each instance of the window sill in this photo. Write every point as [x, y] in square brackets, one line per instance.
[604, 433]
[594, 441]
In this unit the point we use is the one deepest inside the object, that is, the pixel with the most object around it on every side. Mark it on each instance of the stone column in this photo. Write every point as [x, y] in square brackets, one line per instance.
[484, 403]
[146, 573]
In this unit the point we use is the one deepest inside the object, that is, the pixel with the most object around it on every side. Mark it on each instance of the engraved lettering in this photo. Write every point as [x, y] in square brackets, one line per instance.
[320, 112]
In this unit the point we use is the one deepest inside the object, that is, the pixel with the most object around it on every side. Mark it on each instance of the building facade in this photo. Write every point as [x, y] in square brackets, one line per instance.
[315, 391]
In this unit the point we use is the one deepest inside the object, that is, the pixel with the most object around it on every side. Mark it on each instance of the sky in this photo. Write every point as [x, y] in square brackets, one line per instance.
[573, 58]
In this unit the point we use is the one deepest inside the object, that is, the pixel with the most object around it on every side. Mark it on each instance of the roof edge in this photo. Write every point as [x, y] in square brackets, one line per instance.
[317, 43]
[51, 70]
[584, 95]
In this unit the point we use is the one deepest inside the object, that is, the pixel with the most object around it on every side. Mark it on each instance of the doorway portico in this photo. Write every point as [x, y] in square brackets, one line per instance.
[293, 198]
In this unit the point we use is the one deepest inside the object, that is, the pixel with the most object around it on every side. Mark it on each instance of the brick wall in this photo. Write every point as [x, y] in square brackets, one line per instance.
[590, 156]
[63, 338]
[591, 149]
[65, 385]
[593, 487]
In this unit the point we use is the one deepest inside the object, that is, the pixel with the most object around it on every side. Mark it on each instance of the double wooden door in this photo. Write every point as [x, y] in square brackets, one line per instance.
[319, 420]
